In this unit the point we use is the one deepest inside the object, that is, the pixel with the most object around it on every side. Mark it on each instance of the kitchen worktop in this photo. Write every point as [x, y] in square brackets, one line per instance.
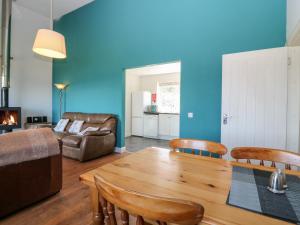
[157, 113]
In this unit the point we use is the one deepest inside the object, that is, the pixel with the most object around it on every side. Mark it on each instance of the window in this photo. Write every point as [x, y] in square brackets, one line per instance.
[168, 97]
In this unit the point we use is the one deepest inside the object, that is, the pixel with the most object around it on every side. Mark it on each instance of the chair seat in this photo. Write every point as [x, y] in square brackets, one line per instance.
[72, 141]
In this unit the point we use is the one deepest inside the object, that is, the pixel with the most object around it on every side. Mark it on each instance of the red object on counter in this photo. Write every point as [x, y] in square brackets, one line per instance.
[153, 98]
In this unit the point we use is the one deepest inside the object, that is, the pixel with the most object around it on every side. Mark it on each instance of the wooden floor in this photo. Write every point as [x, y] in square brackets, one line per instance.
[71, 206]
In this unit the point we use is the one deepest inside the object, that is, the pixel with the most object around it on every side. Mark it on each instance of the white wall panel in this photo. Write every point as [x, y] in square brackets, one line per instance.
[254, 95]
[293, 112]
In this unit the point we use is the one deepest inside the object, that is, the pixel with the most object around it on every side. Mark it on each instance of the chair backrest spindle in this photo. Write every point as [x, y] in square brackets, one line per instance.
[111, 213]
[140, 220]
[124, 217]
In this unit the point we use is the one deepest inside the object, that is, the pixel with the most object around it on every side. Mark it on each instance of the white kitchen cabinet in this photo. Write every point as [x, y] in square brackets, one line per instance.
[140, 101]
[151, 126]
[137, 126]
[168, 126]
[174, 130]
[164, 125]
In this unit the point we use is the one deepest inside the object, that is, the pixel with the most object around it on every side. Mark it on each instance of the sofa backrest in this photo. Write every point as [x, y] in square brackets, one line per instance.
[27, 145]
[103, 121]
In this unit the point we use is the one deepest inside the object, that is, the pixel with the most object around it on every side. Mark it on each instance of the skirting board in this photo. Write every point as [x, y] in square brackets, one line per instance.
[120, 150]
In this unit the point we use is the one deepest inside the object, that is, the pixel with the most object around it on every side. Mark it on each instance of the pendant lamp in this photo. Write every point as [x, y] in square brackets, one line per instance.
[48, 42]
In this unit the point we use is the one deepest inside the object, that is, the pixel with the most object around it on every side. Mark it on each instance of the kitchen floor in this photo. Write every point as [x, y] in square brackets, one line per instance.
[134, 144]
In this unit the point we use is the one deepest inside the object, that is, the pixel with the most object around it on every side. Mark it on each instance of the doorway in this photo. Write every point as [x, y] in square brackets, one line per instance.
[152, 105]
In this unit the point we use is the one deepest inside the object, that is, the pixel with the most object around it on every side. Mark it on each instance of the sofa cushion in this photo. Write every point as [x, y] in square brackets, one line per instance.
[88, 129]
[97, 133]
[72, 141]
[88, 117]
[60, 135]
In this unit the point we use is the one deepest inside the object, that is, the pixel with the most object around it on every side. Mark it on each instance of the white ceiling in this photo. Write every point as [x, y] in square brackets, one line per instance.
[173, 67]
[60, 7]
[294, 38]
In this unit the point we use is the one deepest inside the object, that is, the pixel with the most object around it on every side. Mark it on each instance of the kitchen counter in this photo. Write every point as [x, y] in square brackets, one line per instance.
[157, 113]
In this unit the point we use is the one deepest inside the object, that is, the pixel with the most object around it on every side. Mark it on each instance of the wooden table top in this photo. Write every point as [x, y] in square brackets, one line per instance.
[164, 173]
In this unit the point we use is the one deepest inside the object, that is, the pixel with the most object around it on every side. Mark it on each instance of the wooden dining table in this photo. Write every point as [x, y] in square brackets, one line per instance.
[165, 173]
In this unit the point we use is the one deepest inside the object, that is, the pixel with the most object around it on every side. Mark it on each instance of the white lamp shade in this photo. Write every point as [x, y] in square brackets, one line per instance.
[50, 43]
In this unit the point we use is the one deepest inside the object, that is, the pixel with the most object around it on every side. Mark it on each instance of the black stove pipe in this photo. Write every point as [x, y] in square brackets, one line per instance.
[5, 51]
[4, 97]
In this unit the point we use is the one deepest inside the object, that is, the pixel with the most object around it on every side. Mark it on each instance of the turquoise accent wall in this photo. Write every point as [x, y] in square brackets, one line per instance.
[107, 36]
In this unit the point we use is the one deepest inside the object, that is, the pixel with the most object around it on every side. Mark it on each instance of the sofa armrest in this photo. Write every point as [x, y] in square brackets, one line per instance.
[97, 133]
[94, 146]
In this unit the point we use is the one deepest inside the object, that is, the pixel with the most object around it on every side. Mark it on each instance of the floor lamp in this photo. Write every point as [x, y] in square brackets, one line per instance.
[60, 88]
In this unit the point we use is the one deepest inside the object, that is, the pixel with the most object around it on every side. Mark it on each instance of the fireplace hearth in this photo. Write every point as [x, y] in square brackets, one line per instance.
[10, 118]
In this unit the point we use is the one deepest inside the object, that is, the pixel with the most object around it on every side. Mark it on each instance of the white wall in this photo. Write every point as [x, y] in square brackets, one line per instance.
[132, 85]
[149, 83]
[293, 20]
[31, 75]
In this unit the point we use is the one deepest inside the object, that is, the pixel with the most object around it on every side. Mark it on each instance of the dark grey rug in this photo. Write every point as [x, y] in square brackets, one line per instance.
[249, 191]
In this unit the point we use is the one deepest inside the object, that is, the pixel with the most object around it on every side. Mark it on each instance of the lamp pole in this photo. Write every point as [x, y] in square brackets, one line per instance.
[60, 102]
[60, 87]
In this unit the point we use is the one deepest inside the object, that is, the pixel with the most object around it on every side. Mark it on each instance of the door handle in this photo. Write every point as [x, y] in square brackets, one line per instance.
[225, 118]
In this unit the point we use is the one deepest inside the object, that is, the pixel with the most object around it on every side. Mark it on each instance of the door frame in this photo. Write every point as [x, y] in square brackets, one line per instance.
[149, 66]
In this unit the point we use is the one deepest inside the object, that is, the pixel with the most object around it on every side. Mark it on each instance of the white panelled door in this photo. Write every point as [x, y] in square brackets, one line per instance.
[254, 99]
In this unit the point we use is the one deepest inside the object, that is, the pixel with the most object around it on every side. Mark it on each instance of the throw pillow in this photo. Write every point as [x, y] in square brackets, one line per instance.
[76, 126]
[61, 125]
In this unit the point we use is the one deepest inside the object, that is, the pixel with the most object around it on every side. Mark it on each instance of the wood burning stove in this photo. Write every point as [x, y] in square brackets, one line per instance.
[10, 118]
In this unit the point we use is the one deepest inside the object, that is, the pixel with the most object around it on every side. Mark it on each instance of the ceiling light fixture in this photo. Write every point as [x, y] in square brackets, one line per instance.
[48, 42]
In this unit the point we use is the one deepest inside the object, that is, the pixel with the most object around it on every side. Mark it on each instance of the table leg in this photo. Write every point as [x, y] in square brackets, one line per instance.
[98, 217]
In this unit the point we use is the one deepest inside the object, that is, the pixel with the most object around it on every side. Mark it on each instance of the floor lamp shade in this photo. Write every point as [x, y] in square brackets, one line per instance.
[50, 43]
[60, 88]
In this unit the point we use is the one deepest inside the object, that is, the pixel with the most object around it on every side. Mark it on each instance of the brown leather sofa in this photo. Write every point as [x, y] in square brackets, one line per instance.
[93, 144]
[30, 168]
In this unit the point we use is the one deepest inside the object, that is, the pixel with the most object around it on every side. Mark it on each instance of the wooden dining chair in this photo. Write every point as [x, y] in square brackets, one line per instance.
[144, 206]
[199, 145]
[266, 154]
